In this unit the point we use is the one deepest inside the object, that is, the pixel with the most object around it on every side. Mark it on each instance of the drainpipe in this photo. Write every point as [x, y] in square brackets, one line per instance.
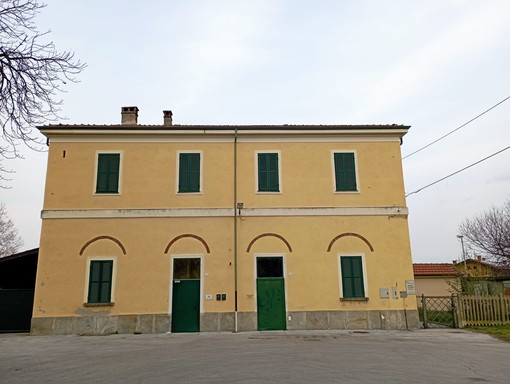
[235, 231]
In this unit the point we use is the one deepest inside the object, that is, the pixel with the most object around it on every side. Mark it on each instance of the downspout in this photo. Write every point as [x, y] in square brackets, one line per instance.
[235, 230]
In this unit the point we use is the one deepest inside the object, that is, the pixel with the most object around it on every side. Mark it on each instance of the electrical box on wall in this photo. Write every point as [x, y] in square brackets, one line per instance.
[384, 293]
[394, 292]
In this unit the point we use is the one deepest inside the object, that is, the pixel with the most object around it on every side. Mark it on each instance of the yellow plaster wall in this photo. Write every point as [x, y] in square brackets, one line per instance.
[143, 274]
[148, 176]
[435, 286]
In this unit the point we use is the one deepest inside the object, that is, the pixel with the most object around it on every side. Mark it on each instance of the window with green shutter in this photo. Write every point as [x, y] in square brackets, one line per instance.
[345, 172]
[352, 277]
[108, 173]
[268, 178]
[189, 172]
[100, 281]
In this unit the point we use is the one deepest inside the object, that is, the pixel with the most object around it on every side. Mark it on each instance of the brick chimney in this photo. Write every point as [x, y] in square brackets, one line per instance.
[129, 115]
[167, 118]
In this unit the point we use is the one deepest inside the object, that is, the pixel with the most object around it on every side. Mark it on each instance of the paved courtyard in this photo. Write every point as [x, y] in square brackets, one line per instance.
[420, 356]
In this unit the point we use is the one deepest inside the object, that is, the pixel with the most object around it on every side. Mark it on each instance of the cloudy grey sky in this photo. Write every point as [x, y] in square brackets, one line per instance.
[431, 64]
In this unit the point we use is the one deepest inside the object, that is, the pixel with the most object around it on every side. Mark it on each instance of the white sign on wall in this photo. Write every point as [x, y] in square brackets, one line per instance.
[410, 287]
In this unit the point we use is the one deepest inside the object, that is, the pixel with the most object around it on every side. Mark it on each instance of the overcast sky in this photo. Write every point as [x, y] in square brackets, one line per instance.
[431, 64]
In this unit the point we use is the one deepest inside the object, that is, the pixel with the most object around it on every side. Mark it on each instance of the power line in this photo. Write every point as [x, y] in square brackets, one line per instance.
[460, 170]
[456, 129]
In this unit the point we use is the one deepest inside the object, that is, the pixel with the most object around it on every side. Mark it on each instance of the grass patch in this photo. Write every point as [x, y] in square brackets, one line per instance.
[501, 332]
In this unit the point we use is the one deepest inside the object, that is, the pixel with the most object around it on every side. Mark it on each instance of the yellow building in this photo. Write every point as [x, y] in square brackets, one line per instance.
[185, 228]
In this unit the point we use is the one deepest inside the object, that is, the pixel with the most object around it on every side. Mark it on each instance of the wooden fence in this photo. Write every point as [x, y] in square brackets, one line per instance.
[482, 310]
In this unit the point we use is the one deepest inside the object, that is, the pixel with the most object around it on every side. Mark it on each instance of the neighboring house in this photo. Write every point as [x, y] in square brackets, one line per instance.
[186, 228]
[17, 282]
[435, 279]
[484, 277]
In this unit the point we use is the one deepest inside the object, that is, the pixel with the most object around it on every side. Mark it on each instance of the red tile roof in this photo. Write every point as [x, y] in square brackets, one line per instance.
[434, 269]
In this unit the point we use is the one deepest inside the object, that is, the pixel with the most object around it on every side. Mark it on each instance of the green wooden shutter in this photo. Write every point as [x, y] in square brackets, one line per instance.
[189, 172]
[183, 173]
[273, 172]
[100, 281]
[268, 180]
[352, 277]
[106, 282]
[94, 288]
[345, 172]
[194, 172]
[108, 173]
[262, 170]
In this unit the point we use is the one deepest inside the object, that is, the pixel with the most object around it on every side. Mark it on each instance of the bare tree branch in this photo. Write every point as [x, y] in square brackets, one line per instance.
[489, 234]
[32, 73]
[10, 242]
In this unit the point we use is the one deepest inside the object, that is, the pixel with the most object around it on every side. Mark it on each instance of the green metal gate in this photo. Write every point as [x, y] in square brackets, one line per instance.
[438, 311]
[16, 309]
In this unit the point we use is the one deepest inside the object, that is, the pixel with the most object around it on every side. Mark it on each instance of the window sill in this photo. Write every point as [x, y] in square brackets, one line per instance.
[346, 192]
[269, 192]
[106, 193]
[178, 193]
[354, 299]
[98, 304]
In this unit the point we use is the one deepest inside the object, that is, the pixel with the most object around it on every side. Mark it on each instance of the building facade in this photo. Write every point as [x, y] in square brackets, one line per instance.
[436, 279]
[184, 228]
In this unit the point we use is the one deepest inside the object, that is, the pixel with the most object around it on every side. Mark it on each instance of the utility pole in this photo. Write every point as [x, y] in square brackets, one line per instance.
[463, 252]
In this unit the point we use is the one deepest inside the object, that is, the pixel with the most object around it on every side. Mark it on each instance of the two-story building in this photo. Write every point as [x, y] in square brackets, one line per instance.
[185, 228]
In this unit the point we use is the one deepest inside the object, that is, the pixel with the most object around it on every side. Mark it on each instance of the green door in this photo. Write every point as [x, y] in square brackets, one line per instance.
[186, 296]
[271, 304]
[270, 294]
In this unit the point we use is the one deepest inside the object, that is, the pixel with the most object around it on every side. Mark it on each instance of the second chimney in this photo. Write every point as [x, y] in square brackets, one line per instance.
[167, 117]
[129, 115]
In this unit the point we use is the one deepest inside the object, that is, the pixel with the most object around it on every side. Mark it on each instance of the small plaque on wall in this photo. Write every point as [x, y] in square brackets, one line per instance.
[410, 287]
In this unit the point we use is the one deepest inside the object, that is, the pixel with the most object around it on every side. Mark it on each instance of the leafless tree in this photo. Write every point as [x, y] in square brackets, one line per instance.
[10, 242]
[489, 234]
[32, 75]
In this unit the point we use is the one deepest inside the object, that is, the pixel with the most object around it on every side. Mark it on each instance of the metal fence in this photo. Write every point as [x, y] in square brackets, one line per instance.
[459, 311]
[437, 311]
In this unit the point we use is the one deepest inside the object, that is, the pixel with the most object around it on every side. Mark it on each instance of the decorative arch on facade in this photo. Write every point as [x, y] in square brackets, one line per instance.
[104, 237]
[350, 234]
[177, 238]
[269, 235]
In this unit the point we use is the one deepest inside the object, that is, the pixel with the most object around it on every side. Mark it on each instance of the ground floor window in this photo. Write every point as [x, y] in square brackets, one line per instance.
[100, 281]
[352, 277]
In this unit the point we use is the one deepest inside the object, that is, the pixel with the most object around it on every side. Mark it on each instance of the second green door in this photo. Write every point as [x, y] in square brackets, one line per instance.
[270, 294]
[186, 295]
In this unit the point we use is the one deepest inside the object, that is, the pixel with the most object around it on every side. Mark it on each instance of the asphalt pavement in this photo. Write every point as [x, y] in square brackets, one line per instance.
[419, 356]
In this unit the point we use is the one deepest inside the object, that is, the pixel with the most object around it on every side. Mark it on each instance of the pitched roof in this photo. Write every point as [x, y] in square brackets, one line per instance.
[434, 269]
[29, 253]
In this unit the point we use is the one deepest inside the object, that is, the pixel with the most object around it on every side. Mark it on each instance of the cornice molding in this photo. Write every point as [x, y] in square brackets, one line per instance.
[222, 212]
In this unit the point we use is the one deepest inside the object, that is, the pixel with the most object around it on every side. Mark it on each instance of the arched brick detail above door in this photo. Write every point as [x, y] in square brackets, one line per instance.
[350, 234]
[266, 235]
[104, 237]
[177, 238]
